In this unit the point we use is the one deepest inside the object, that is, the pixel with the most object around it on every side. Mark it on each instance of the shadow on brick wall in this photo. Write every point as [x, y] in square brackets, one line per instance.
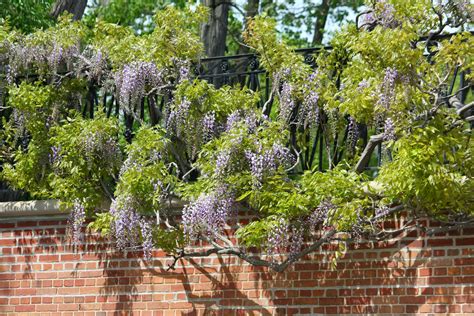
[410, 273]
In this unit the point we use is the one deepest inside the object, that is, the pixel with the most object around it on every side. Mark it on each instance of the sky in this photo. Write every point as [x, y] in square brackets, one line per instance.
[331, 25]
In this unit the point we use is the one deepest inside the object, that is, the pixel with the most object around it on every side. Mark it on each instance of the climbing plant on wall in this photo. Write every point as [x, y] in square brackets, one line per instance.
[117, 127]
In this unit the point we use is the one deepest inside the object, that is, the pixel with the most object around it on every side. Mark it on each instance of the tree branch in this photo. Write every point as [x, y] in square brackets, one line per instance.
[367, 153]
[461, 109]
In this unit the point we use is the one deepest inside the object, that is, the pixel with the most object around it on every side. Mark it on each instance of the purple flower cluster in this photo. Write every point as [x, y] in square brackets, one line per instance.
[352, 134]
[287, 104]
[147, 238]
[266, 161]
[208, 125]
[22, 56]
[389, 130]
[55, 155]
[296, 240]
[102, 146]
[249, 118]
[178, 117]
[130, 163]
[222, 163]
[278, 237]
[382, 211]
[184, 72]
[364, 84]
[55, 58]
[232, 120]
[129, 228]
[155, 156]
[387, 90]
[387, 15]
[320, 215]
[98, 64]
[76, 220]
[384, 15]
[369, 18]
[465, 7]
[308, 114]
[208, 214]
[133, 80]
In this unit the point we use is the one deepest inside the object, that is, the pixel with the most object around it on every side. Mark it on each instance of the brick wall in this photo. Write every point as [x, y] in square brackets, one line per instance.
[41, 273]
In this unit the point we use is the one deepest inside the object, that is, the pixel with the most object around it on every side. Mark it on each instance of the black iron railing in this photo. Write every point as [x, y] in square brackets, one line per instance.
[242, 70]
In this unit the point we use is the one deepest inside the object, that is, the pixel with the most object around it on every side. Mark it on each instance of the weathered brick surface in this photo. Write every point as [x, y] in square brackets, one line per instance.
[40, 273]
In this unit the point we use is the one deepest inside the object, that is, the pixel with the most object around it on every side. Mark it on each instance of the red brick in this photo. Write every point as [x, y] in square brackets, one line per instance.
[439, 242]
[464, 241]
[53, 278]
[441, 280]
[331, 301]
[412, 299]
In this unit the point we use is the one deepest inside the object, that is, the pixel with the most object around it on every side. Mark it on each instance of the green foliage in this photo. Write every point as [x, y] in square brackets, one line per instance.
[102, 224]
[432, 168]
[260, 35]
[29, 170]
[204, 99]
[215, 143]
[168, 240]
[32, 104]
[175, 37]
[26, 15]
[137, 14]
[80, 171]
[145, 175]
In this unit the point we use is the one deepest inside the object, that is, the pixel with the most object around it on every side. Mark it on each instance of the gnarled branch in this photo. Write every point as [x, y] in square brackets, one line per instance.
[367, 153]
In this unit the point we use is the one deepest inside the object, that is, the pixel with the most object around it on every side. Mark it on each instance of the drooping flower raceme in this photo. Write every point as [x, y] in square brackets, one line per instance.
[98, 65]
[320, 215]
[387, 90]
[266, 161]
[76, 220]
[352, 134]
[208, 214]
[222, 163]
[296, 239]
[278, 237]
[129, 228]
[308, 113]
[55, 155]
[147, 237]
[132, 82]
[287, 103]
[99, 145]
[178, 116]
[209, 125]
[389, 130]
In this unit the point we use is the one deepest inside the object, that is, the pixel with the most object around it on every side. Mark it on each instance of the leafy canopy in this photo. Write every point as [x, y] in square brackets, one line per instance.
[297, 162]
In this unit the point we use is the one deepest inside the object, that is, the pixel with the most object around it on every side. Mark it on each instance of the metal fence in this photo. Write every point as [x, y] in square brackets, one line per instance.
[242, 70]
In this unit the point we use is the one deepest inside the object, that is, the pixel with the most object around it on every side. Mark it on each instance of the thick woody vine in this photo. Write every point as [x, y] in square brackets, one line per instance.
[115, 125]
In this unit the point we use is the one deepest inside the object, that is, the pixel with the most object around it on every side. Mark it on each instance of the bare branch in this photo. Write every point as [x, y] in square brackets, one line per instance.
[327, 237]
[388, 212]
[462, 112]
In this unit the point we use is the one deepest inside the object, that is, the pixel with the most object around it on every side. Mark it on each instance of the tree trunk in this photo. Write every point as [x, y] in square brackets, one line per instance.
[214, 32]
[322, 13]
[75, 7]
[251, 11]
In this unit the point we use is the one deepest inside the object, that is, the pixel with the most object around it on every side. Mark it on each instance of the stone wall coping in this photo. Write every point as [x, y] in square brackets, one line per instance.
[52, 207]
[31, 208]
